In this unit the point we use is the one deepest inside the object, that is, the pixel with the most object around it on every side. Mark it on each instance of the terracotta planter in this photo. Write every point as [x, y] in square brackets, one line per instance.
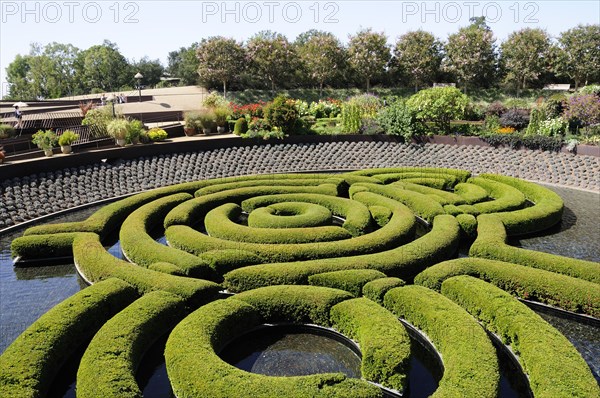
[65, 149]
[189, 131]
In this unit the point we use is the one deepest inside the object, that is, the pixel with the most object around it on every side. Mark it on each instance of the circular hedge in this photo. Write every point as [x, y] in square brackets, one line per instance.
[350, 251]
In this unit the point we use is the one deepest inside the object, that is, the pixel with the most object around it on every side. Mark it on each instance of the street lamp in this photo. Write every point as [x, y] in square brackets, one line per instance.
[138, 76]
[111, 99]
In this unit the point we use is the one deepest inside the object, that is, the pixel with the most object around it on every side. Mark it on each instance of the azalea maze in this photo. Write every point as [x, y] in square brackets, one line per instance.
[353, 252]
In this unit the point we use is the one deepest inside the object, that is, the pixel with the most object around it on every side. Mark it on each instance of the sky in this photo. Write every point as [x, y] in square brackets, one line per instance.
[154, 28]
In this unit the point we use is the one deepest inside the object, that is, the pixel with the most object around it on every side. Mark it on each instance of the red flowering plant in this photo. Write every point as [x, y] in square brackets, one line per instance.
[248, 110]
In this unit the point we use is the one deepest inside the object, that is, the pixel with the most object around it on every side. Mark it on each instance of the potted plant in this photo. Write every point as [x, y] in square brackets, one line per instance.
[221, 115]
[191, 124]
[157, 134]
[206, 119]
[118, 129]
[65, 140]
[134, 130]
[45, 140]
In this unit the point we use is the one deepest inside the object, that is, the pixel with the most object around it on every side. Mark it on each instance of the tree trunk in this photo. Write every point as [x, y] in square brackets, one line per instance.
[368, 85]
[272, 87]
[320, 89]
[224, 88]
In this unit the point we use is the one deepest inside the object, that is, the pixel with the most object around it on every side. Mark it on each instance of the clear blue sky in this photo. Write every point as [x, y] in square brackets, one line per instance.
[154, 28]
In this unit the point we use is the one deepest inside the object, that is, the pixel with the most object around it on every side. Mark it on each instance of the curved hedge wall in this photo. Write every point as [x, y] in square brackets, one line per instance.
[351, 281]
[554, 366]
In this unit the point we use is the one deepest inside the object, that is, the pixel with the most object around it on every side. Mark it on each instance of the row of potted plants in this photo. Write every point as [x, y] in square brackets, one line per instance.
[48, 139]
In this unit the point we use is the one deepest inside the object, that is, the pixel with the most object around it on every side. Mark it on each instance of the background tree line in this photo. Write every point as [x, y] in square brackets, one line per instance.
[471, 57]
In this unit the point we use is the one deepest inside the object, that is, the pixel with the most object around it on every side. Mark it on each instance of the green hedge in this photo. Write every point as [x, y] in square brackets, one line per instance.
[351, 281]
[468, 224]
[298, 304]
[384, 342]
[563, 291]
[491, 244]
[223, 261]
[109, 364]
[555, 368]
[470, 193]
[194, 211]
[399, 230]
[506, 197]
[376, 289]
[195, 369]
[437, 194]
[380, 214]
[403, 261]
[96, 264]
[357, 217]
[290, 215]
[422, 205]
[43, 246]
[453, 175]
[220, 223]
[30, 363]
[277, 180]
[139, 247]
[546, 212]
[470, 363]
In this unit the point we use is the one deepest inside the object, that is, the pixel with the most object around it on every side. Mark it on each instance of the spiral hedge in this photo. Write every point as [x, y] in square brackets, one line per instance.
[352, 252]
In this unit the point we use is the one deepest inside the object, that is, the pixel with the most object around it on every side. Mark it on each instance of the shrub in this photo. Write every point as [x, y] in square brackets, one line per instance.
[99, 117]
[134, 130]
[399, 119]
[118, 128]
[44, 139]
[439, 105]
[351, 281]
[545, 354]
[554, 105]
[495, 109]
[357, 111]
[282, 113]
[470, 363]
[157, 134]
[30, 363]
[384, 342]
[221, 115]
[108, 365]
[591, 89]
[67, 138]
[241, 126]
[516, 118]
[505, 197]
[376, 289]
[583, 110]
[196, 370]
[351, 118]
[563, 291]
[214, 100]
[536, 117]
[553, 127]
[6, 131]
[491, 244]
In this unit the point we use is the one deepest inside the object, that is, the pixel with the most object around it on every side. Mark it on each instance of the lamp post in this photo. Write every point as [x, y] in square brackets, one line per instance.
[111, 99]
[138, 76]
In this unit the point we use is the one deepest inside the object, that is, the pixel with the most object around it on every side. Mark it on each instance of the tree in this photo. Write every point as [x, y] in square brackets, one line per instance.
[525, 55]
[579, 56]
[184, 63]
[419, 55]
[368, 54]
[152, 70]
[220, 59]
[105, 68]
[272, 56]
[471, 55]
[322, 55]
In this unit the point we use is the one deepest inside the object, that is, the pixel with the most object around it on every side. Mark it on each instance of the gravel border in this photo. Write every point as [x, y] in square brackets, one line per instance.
[37, 195]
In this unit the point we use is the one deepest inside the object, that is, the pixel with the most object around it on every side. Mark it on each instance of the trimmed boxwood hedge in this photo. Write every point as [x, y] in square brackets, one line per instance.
[96, 264]
[452, 175]
[351, 281]
[298, 304]
[275, 181]
[384, 342]
[468, 224]
[546, 211]
[356, 215]
[30, 363]
[109, 364]
[555, 368]
[422, 205]
[223, 261]
[43, 246]
[290, 215]
[376, 289]
[438, 194]
[563, 291]
[399, 230]
[491, 244]
[220, 224]
[195, 369]
[506, 197]
[194, 211]
[381, 215]
[470, 193]
[470, 363]
[139, 247]
[403, 261]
